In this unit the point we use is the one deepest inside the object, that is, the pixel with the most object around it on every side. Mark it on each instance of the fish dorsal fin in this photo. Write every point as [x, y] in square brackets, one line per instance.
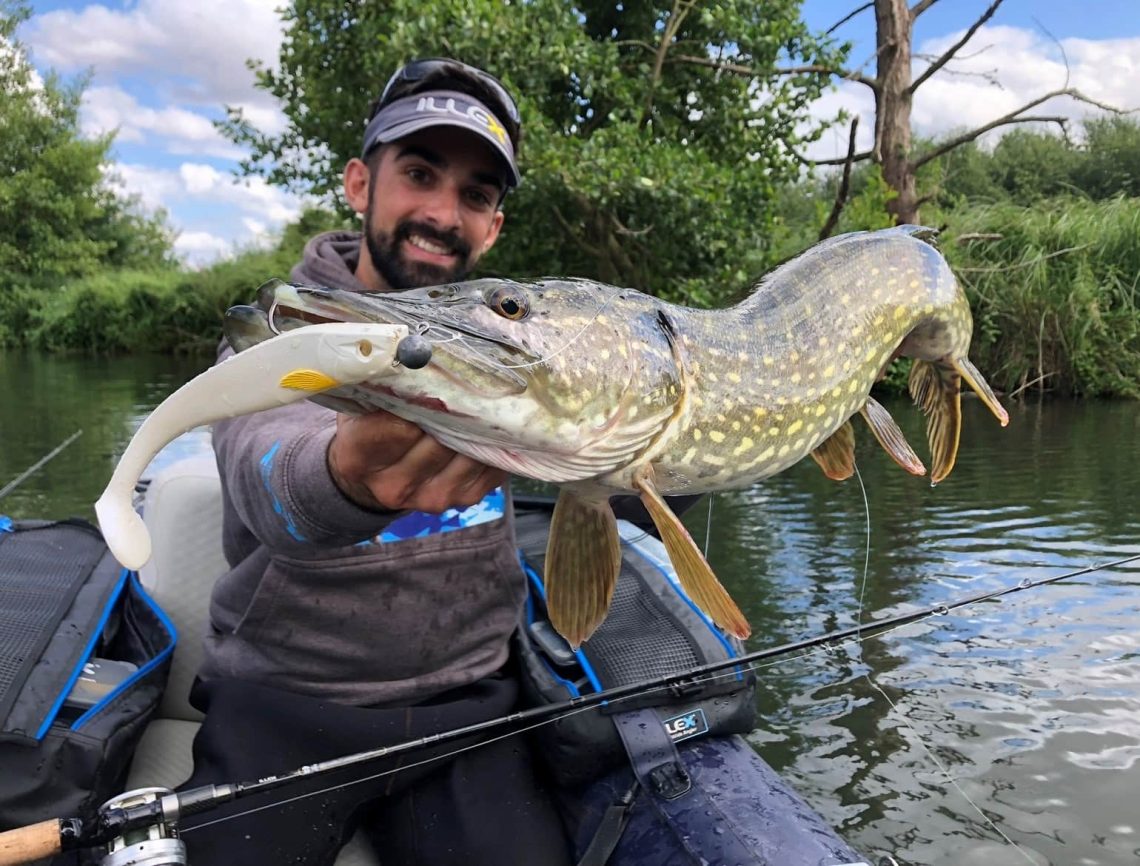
[888, 434]
[697, 578]
[836, 454]
[938, 390]
[583, 556]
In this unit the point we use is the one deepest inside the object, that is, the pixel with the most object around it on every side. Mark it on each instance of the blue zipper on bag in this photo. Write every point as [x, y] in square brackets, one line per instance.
[158, 659]
[578, 654]
[89, 648]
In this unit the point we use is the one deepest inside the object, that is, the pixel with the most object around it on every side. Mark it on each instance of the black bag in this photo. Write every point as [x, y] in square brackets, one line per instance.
[652, 630]
[84, 656]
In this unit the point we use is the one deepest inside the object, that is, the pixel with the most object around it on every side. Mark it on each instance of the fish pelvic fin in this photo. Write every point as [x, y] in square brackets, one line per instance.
[694, 572]
[583, 556]
[888, 434]
[937, 389]
[976, 381]
[836, 454]
[308, 380]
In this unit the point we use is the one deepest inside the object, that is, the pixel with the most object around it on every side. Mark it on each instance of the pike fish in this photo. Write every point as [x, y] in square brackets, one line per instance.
[604, 390]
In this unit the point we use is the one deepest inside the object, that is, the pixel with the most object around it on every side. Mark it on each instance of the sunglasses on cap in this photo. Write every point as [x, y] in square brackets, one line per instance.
[418, 70]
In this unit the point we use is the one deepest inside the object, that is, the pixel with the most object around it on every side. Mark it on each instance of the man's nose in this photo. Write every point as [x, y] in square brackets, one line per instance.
[442, 209]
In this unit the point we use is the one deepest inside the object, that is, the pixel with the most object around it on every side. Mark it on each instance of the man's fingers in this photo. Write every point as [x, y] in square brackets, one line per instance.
[465, 482]
[380, 460]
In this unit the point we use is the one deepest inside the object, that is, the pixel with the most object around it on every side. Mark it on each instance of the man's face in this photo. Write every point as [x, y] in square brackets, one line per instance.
[431, 209]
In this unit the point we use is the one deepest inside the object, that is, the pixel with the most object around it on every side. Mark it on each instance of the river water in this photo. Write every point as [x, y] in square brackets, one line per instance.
[1004, 732]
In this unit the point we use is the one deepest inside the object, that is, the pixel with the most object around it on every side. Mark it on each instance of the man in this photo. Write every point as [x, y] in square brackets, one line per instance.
[353, 617]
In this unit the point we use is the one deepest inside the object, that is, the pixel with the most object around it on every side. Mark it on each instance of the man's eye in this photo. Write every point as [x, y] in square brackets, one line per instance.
[418, 175]
[479, 198]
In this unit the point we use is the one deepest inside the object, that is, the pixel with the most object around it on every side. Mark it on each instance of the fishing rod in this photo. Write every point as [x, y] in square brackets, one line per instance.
[23, 476]
[135, 811]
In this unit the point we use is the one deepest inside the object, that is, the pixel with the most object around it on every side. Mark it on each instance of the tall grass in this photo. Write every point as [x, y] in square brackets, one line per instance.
[1054, 293]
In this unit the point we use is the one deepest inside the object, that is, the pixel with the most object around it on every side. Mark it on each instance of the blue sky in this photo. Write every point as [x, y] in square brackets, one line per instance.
[163, 69]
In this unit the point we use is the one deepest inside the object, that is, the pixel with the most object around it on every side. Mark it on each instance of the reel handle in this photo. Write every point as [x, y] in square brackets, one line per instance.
[25, 844]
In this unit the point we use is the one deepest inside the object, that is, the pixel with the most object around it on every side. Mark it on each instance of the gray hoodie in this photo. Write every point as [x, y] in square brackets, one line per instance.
[335, 601]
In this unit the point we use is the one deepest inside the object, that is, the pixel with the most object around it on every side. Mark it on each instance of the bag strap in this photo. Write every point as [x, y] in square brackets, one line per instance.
[653, 755]
[610, 829]
[683, 805]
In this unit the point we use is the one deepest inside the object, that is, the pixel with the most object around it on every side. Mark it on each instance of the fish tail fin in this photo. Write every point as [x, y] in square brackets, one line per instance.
[697, 578]
[937, 389]
[583, 556]
[978, 383]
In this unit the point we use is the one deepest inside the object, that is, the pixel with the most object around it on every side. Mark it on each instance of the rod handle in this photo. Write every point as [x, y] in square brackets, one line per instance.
[25, 844]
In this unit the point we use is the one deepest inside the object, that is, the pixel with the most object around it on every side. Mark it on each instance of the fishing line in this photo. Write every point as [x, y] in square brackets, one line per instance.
[333, 788]
[708, 527]
[871, 682]
[23, 476]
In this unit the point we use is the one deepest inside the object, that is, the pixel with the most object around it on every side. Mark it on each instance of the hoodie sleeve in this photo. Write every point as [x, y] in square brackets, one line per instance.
[276, 481]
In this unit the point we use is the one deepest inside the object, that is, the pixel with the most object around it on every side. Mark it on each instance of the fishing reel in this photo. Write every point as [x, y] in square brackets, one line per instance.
[154, 844]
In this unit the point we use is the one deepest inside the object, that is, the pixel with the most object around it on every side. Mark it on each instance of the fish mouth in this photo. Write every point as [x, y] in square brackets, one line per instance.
[469, 356]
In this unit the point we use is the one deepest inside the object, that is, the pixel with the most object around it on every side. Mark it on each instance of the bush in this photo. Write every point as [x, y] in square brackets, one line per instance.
[1055, 297]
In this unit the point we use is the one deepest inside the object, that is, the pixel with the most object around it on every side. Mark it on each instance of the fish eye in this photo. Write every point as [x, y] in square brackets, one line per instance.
[508, 303]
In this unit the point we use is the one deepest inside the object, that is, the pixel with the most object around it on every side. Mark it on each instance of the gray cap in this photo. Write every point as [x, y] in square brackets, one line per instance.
[410, 114]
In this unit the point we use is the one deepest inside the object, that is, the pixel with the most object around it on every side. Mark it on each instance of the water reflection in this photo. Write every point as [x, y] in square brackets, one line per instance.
[45, 399]
[1029, 703]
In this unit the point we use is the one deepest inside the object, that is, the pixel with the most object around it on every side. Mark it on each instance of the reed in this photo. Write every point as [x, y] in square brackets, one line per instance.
[1054, 291]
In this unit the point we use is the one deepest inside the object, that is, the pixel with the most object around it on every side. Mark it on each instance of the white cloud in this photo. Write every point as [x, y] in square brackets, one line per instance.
[200, 247]
[1025, 65]
[254, 208]
[201, 47]
[106, 109]
[203, 184]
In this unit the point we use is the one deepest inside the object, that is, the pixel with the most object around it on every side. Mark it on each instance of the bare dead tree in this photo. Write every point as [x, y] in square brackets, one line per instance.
[844, 185]
[894, 88]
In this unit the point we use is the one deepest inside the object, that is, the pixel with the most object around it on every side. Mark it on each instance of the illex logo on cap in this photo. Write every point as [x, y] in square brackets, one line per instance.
[471, 112]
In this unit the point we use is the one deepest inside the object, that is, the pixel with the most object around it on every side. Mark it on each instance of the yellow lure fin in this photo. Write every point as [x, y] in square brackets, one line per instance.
[976, 381]
[888, 434]
[583, 556]
[308, 380]
[836, 454]
[937, 389]
[697, 578]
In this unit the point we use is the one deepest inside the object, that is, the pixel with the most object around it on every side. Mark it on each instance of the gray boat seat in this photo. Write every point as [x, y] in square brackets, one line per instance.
[182, 509]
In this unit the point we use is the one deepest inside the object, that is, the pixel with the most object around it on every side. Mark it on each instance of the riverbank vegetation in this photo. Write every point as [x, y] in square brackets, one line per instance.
[688, 200]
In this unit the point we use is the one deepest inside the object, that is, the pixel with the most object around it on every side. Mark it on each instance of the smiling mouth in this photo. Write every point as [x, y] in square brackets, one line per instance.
[431, 247]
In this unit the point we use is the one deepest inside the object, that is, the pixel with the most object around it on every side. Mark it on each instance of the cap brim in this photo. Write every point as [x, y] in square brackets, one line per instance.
[409, 115]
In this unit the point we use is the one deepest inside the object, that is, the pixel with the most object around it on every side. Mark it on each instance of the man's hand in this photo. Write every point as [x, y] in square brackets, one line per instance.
[380, 461]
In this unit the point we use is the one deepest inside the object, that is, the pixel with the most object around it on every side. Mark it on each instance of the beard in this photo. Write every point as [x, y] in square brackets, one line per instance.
[400, 273]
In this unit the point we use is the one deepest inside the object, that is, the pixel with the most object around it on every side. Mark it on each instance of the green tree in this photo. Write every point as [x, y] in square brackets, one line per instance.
[58, 216]
[656, 135]
[1111, 164]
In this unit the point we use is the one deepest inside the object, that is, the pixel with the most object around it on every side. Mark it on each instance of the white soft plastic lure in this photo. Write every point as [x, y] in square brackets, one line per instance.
[284, 369]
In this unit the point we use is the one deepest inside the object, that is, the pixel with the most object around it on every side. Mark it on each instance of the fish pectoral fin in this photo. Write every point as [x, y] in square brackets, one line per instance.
[308, 380]
[938, 390]
[978, 383]
[583, 556]
[697, 578]
[888, 434]
[836, 454]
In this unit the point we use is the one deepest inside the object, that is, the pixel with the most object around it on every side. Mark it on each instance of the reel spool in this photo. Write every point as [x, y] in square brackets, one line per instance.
[156, 844]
